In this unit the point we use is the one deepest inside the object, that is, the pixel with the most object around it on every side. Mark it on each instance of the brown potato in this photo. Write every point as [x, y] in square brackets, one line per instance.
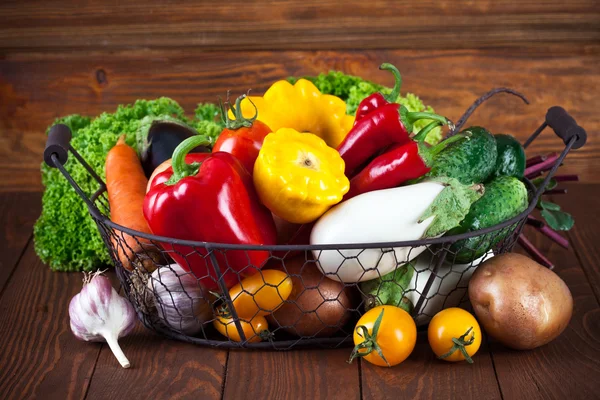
[317, 301]
[519, 302]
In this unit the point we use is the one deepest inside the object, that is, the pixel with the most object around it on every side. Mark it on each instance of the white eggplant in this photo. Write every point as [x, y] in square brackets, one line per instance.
[448, 288]
[423, 210]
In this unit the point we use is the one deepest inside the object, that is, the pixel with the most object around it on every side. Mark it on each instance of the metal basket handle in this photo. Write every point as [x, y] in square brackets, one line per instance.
[58, 143]
[565, 126]
[56, 154]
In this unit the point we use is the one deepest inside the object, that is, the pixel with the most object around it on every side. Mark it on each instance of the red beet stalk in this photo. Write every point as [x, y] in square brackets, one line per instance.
[555, 191]
[548, 232]
[566, 178]
[537, 169]
[535, 160]
[534, 252]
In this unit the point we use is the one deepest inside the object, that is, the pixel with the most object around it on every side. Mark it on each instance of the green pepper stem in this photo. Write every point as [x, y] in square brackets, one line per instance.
[393, 95]
[417, 115]
[419, 137]
[181, 169]
[447, 142]
[427, 154]
[409, 118]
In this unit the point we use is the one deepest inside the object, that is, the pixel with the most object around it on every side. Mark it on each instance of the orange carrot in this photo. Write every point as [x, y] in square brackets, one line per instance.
[126, 187]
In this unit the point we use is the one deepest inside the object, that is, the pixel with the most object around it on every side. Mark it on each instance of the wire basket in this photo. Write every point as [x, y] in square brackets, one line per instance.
[161, 276]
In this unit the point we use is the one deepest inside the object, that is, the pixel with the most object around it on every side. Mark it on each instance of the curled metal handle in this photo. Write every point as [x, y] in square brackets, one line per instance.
[565, 126]
[59, 138]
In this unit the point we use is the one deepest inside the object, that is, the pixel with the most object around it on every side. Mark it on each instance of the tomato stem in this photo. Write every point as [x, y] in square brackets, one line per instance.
[238, 120]
[266, 335]
[460, 344]
[370, 343]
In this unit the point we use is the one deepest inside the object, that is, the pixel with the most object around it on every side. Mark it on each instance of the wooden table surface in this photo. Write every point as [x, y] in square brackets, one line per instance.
[40, 357]
[59, 57]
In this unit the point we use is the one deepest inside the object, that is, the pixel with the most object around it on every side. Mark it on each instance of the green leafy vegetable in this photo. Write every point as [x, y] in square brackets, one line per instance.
[66, 237]
[555, 218]
[546, 205]
[551, 184]
[353, 89]
[208, 121]
[208, 112]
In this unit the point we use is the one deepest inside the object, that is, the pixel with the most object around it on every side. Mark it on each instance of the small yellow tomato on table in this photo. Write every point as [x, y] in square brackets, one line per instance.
[384, 336]
[454, 335]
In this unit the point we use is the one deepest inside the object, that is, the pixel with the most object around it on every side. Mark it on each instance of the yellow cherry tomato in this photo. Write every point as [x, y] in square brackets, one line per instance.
[452, 333]
[255, 330]
[386, 331]
[261, 293]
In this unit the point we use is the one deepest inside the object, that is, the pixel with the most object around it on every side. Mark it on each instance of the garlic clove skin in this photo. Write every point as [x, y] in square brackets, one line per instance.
[99, 314]
[181, 302]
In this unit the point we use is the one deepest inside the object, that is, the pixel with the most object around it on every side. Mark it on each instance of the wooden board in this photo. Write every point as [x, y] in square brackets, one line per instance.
[37, 88]
[423, 376]
[582, 202]
[18, 212]
[296, 374]
[160, 369]
[39, 357]
[38, 353]
[286, 25]
[569, 366]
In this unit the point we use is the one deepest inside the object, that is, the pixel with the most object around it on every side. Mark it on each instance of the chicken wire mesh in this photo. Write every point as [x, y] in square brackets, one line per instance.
[181, 288]
[321, 309]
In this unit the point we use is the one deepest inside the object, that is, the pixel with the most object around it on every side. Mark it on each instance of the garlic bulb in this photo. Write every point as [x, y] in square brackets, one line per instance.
[182, 303]
[99, 314]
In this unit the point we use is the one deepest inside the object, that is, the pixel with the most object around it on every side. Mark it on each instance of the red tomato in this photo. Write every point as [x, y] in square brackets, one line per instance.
[244, 143]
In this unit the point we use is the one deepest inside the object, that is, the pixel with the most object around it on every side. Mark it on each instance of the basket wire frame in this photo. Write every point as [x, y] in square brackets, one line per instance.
[161, 292]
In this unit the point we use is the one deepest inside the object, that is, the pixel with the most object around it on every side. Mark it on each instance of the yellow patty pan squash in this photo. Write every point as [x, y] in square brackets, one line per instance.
[301, 107]
[297, 176]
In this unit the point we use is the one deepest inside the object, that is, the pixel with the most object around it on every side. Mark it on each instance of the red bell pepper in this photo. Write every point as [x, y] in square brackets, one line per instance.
[401, 163]
[212, 200]
[386, 125]
[242, 137]
[378, 99]
[189, 158]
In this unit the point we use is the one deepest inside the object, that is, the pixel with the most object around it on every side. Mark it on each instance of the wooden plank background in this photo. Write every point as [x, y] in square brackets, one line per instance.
[62, 57]
[288, 24]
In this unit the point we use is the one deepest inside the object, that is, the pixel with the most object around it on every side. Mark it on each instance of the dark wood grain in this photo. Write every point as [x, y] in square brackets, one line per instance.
[423, 376]
[160, 369]
[39, 356]
[569, 366]
[581, 201]
[36, 88]
[297, 374]
[18, 212]
[285, 25]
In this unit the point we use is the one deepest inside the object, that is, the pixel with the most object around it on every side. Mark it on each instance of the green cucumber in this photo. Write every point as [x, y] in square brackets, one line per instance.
[505, 197]
[471, 160]
[511, 157]
[389, 289]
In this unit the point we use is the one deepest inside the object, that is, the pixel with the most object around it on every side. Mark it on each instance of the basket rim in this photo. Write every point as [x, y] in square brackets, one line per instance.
[534, 195]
